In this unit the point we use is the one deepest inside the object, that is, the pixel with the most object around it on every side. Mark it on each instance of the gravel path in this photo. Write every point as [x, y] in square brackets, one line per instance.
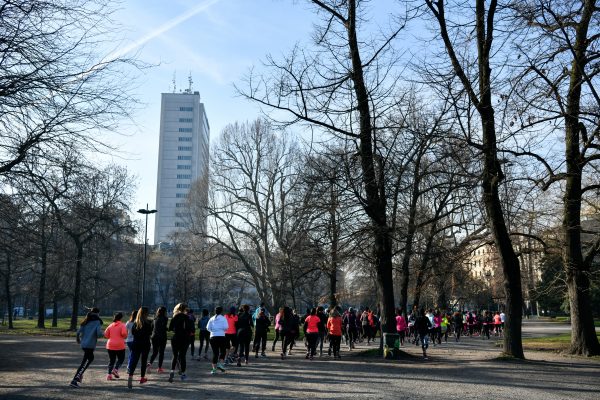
[41, 368]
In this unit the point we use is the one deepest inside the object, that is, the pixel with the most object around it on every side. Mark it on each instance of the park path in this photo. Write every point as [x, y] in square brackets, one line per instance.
[35, 367]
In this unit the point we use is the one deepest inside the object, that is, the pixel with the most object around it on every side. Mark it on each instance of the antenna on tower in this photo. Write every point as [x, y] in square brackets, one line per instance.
[190, 82]
[174, 81]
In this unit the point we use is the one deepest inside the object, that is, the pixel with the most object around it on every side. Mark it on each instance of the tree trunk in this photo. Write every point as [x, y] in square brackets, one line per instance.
[42, 290]
[374, 185]
[54, 312]
[77, 288]
[583, 333]
[9, 301]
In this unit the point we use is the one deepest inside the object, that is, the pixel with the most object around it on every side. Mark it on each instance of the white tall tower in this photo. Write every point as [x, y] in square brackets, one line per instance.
[182, 159]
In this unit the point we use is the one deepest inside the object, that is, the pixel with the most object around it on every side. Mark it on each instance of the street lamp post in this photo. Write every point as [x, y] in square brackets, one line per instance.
[145, 211]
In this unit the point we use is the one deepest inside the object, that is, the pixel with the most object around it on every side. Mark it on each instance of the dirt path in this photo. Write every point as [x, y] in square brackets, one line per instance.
[41, 368]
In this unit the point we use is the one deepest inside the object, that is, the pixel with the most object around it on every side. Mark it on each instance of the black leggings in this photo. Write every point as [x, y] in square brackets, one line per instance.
[277, 337]
[179, 349]
[260, 341]
[88, 357]
[115, 355]
[203, 336]
[139, 350]
[287, 339]
[192, 341]
[158, 349]
[312, 339]
[244, 344]
[218, 345]
[335, 342]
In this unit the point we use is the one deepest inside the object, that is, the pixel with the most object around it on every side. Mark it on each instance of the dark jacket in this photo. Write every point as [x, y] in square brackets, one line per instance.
[262, 324]
[244, 324]
[289, 324]
[322, 321]
[422, 325]
[141, 336]
[159, 328]
[181, 326]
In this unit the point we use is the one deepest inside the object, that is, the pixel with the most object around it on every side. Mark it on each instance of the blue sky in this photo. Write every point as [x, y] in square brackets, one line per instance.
[217, 41]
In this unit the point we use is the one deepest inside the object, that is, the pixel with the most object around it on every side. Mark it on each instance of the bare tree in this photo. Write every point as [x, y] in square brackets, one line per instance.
[343, 86]
[556, 90]
[56, 89]
[478, 88]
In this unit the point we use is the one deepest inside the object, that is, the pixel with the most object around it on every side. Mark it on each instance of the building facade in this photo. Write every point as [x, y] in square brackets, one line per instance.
[183, 157]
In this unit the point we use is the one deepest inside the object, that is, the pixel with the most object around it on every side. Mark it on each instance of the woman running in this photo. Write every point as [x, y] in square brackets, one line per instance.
[400, 325]
[203, 334]
[278, 329]
[180, 325]
[311, 331]
[231, 335]
[457, 321]
[262, 324]
[116, 333]
[289, 329]
[129, 340]
[87, 335]
[217, 326]
[334, 328]
[142, 330]
[192, 317]
[159, 338]
[422, 327]
[244, 334]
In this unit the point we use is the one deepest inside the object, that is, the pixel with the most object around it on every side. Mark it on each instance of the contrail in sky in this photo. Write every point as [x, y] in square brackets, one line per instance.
[167, 26]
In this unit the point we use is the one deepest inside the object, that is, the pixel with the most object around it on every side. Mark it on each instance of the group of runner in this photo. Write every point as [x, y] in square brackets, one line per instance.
[230, 335]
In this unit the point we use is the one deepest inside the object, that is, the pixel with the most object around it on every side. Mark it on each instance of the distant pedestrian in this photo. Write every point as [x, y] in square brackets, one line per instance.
[262, 323]
[116, 333]
[129, 327]
[423, 327]
[203, 334]
[192, 317]
[217, 326]
[142, 330]
[231, 335]
[87, 335]
[180, 325]
[159, 338]
[311, 332]
[244, 334]
[334, 329]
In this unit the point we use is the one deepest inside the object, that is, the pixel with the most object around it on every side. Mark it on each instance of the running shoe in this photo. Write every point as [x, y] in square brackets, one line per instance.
[213, 371]
[221, 367]
[256, 356]
[109, 377]
[74, 383]
[115, 373]
[160, 370]
[239, 362]
[143, 379]
[282, 356]
[205, 356]
[130, 381]
[263, 354]
[307, 355]
[183, 377]
[171, 375]
[148, 368]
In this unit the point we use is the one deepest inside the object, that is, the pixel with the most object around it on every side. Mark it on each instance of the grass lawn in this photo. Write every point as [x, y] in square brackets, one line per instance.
[550, 343]
[23, 326]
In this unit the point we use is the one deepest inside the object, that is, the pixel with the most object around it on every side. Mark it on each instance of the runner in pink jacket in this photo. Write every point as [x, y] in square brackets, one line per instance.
[116, 333]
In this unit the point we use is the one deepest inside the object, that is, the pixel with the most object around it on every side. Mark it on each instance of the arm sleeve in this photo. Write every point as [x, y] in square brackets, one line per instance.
[107, 332]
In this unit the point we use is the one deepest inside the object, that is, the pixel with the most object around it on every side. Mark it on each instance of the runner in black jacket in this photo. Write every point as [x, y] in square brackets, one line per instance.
[181, 326]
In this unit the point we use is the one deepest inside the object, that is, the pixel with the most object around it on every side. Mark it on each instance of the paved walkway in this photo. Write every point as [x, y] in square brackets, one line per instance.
[41, 368]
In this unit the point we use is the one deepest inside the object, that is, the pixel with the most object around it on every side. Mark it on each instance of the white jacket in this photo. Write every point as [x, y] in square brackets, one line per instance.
[217, 325]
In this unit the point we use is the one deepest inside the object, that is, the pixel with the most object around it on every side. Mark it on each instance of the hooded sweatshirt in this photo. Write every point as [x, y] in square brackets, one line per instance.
[89, 333]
